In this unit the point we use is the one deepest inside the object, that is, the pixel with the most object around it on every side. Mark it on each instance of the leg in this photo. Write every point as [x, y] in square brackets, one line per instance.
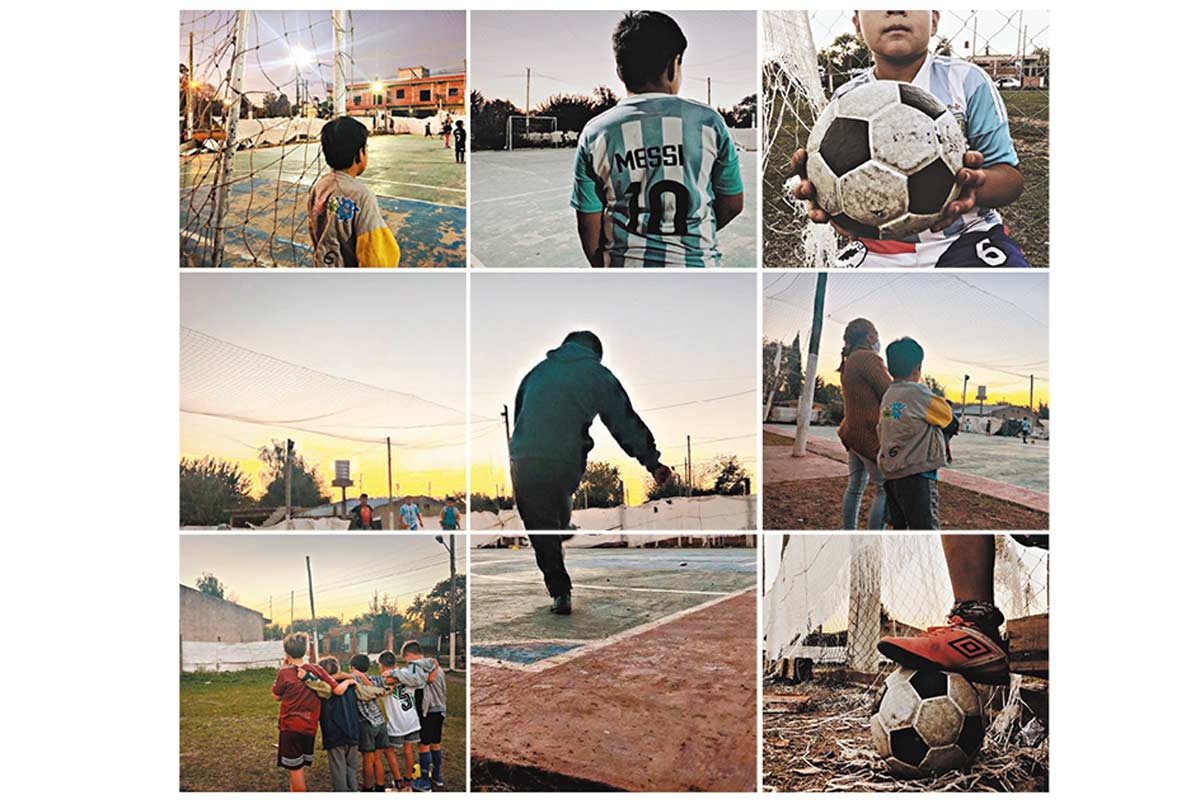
[895, 508]
[875, 517]
[369, 770]
[337, 767]
[548, 549]
[351, 769]
[296, 780]
[856, 482]
[409, 760]
[921, 503]
[971, 562]
[393, 765]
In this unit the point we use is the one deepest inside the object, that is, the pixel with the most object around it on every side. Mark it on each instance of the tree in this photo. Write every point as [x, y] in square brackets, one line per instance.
[843, 59]
[934, 386]
[742, 114]
[603, 98]
[208, 488]
[572, 110]
[322, 625]
[1043, 411]
[726, 476]
[307, 484]
[944, 47]
[489, 122]
[830, 396]
[273, 632]
[381, 611]
[431, 613]
[600, 487]
[790, 379]
[674, 487]
[208, 584]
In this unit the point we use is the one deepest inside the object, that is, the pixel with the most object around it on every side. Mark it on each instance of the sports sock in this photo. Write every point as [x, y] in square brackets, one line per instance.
[437, 764]
[984, 616]
[426, 764]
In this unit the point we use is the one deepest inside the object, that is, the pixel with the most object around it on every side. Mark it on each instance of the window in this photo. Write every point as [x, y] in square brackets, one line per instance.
[399, 94]
[425, 95]
[454, 91]
[357, 100]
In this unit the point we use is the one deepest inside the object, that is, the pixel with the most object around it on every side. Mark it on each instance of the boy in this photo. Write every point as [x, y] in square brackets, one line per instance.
[460, 142]
[449, 516]
[362, 516]
[912, 445]
[403, 722]
[339, 729]
[299, 709]
[372, 726]
[344, 222]
[410, 513]
[971, 232]
[432, 712]
[656, 176]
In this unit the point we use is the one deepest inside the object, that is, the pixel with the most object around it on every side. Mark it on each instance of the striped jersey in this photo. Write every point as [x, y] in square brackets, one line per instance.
[970, 95]
[654, 164]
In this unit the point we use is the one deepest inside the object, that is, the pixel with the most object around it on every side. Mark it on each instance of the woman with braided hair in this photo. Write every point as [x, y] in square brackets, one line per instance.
[864, 380]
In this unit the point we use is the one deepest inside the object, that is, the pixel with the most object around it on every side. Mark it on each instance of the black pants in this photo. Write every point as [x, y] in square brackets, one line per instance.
[912, 503]
[549, 551]
[543, 490]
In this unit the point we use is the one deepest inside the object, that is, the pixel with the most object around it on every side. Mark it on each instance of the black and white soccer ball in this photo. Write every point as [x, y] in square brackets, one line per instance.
[928, 722]
[882, 159]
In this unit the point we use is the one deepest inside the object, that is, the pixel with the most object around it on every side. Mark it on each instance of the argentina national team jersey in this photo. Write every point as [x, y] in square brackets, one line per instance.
[654, 164]
[970, 95]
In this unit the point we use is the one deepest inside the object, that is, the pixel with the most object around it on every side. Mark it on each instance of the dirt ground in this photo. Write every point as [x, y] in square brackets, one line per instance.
[669, 709]
[817, 505]
[816, 738]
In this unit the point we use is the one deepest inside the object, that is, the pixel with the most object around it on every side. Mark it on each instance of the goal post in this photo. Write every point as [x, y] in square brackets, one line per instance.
[531, 131]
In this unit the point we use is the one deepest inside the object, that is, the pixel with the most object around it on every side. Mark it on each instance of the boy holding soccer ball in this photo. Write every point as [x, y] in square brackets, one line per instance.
[656, 176]
[971, 233]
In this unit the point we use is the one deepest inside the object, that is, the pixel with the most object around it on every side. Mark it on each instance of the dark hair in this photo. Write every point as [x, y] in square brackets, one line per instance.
[387, 659]
[856, 334]
[296, 644]
[412, 646]
[903, 356]
[360, 662]
[330, 665]
[364, 494]
[341, 141]
[587, 339]
[645, 44]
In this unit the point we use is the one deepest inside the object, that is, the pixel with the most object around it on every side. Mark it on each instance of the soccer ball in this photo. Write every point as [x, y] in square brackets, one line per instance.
[882, 159]
[928, 722]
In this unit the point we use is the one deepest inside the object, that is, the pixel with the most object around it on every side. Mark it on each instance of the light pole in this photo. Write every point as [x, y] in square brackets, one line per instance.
[453, 597]
[301, 57]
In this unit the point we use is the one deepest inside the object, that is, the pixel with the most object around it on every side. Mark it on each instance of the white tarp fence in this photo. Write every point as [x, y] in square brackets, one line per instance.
[602, 539]
[745, 138]
[230, 656]
[271, 131]
[714, 513]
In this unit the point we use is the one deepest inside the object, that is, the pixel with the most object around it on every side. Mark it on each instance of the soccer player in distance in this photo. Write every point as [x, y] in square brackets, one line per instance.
[656, 176]
[555, 406]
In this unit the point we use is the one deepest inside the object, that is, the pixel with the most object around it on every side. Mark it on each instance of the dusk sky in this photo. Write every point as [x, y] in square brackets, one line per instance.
[670, 339]
[570, 52]
[992, 327]
[396, 345]
[379, 43]
[264, 569]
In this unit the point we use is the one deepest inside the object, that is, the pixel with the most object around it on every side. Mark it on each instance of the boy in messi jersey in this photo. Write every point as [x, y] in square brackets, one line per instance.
[656, 176]
[971, 232]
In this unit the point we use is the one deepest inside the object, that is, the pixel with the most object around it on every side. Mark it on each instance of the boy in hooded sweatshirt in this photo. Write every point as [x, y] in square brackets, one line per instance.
[912, 445]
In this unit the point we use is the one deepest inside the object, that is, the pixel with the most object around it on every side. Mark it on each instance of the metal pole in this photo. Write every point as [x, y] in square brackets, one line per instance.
[191, 78]
[774, 382]
[225, 172]
[287, 482]
[1032, 412]
[453, 606]
[312, 606]
[709, 91]
[804, 411]
[339, 65]
[964, 394]
[689, 465]
[389, 479]
[528, 72]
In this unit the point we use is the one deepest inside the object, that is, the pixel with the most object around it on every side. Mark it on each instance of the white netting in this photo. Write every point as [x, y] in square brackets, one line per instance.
[533, 131]
[713, 512]
[834, 595]
[635, 540]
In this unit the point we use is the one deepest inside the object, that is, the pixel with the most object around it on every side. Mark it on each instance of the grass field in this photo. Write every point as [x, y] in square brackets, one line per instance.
[421, 193]
[1028, 219]
[229, 727]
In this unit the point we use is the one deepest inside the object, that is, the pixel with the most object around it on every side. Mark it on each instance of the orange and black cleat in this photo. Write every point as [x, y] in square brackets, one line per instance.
[969, 645]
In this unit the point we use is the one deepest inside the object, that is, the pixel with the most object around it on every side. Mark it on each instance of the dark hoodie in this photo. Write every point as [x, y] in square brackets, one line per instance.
[557, 402]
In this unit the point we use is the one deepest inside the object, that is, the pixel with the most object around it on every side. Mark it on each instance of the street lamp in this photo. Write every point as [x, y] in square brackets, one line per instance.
[453, 597]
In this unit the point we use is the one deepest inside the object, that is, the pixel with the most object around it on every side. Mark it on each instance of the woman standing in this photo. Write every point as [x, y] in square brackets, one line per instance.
[864, 380]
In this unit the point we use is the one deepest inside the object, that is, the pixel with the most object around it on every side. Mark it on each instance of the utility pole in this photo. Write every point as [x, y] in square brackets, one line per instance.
[804, 410]
[453, 607]
[271, 608]
[528, 74]
[390, 510]
[507, 434]
[709, 90]
[312, 607]
[339, 66]
[689, 465]
[287, 482]
[191, 80]
[292, 618]
[774, 382]
[964, 394]
[1032, 411]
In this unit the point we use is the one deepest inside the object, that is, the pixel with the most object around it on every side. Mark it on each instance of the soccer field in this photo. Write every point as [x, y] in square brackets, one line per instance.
[229, 729]
[421, 193]
[521, 217]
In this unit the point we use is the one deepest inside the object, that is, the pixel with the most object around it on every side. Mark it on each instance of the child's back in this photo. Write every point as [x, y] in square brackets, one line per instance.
[654, 164]
[346, 226]
[911, 417]
[299, 706]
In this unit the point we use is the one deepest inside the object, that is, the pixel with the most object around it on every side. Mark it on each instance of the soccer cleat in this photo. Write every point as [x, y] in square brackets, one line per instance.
[422, 785]
[562, 604]
[437, 781]
[959, 647]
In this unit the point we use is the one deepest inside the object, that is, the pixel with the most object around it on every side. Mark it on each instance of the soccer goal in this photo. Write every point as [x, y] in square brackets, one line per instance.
[530, 131]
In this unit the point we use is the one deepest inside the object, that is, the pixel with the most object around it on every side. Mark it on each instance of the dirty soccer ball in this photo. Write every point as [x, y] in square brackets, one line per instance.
[928, 722]
[882, 159]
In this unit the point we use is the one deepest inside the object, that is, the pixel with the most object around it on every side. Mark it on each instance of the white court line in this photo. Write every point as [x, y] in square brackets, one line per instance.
[565, 193]
[571, 655]
[593, 587]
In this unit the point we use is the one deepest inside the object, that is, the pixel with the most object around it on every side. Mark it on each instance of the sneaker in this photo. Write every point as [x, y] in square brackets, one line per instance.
[562, 604]
[960, 646]
[437, 781]
[422, 785]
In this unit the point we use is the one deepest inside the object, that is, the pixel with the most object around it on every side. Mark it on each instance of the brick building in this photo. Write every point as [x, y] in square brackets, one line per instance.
[414, 92]
[205, 618]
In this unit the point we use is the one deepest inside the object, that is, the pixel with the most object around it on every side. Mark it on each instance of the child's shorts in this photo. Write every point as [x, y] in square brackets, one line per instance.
[295, 749]
[912, 503]
[372, 737]
[431, 727]
[412, 737]
[990, 247]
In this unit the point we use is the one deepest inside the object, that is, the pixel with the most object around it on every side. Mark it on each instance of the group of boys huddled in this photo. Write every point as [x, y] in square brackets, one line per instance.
[402, 708]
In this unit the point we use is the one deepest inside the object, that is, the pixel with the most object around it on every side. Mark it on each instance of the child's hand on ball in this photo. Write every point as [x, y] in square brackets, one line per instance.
[970, 178]
[803, 189]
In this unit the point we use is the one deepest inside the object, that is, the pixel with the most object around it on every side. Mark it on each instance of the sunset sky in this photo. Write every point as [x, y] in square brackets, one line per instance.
[570, 52]
[992, 327]
[261, 571]
[672, 340]
[336, 362]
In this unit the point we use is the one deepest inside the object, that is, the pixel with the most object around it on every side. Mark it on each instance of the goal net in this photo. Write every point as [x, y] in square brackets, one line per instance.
[530, 131]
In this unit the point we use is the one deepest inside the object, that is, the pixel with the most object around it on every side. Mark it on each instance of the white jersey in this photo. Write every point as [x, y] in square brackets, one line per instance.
[401, 706]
